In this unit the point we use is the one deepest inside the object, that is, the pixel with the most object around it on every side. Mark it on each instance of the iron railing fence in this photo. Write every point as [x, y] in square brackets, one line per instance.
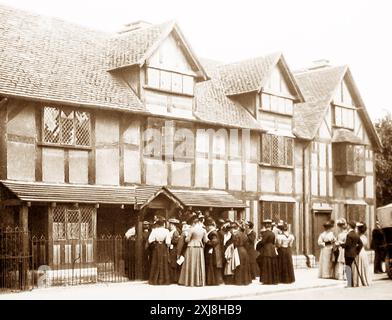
[28, 262]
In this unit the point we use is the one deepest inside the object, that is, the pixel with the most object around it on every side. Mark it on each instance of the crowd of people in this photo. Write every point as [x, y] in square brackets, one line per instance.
[343, 256]
[199, 251]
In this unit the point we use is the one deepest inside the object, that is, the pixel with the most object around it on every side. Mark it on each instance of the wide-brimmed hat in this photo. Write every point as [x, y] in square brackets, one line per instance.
[174, 221]
[267, 221]
[341, 222]
[146, 223]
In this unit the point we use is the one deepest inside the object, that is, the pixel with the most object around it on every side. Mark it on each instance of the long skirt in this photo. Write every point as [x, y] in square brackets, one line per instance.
[173, 266]
[159, 271]
[269, 270]
[193, 272]
[326, 265]
[340, 266]
[254, 268]
[361, 270]
[242, 274]
[213, 275]
[286, 267]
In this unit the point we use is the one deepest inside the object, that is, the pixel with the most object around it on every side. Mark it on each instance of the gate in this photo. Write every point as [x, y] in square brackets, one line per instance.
[15, 260]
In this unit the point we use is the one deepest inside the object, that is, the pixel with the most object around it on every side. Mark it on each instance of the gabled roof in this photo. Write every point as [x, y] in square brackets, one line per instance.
[213, 106]
[345, 135]
[51, 60]
[251, 75]
[135, 47]
[197, 198]
[319, 87]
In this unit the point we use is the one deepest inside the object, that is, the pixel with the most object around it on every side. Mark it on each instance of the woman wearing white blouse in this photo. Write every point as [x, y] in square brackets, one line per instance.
[326, 241]
[159, 272]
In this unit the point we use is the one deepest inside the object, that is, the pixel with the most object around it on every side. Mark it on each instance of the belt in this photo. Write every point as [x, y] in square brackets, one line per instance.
[328, 243]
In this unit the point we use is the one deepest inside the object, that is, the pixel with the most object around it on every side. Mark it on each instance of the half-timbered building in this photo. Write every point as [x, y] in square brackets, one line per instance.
[80, 111]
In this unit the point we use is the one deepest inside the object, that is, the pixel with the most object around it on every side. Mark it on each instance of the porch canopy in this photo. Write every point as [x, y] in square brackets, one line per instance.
[68, 193]
[198, 198]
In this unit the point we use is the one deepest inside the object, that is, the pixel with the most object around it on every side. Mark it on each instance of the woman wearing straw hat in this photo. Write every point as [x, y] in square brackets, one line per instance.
[326, 241]
[339, 250]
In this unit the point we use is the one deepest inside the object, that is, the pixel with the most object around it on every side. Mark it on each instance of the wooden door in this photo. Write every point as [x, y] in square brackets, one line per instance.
[319, 218]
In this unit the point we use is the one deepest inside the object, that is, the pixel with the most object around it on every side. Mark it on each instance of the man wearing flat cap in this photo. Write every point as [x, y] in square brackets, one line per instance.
[172, 241]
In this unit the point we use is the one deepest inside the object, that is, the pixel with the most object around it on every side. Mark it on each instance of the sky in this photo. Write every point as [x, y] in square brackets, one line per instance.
[353, 32]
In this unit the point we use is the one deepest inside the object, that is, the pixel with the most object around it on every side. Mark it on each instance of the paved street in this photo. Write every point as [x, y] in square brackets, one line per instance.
[306, 278]
[307, 286]
[380, 290]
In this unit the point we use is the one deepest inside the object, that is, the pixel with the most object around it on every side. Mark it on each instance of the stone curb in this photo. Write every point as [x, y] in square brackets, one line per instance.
[261, 293]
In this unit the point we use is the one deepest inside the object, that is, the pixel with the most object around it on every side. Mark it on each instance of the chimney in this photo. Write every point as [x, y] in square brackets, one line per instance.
[318, 64]
[136, 25]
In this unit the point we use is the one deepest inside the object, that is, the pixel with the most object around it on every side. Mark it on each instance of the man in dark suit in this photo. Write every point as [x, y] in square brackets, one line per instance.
[378, 244]
[352, 247]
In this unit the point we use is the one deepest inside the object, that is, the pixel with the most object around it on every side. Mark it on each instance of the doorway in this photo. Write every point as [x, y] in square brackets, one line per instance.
[319, 218]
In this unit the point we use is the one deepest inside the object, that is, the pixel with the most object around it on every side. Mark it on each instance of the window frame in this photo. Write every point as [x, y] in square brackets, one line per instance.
[275, 207]
[287, 155]
[169, 88]
[61, 143]
[280, 100]
[338, 109]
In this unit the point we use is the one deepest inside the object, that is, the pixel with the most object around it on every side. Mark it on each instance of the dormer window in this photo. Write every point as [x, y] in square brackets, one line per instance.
[343, 117]
[273, 103]
[170, 81]
[343, 108]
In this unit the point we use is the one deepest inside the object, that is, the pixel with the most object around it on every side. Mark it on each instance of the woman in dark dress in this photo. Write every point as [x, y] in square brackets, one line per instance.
[268, 260]
[213, 255]
[284, 243]
[242, 274]
[159, 271]
[250, 248]
[173, 240]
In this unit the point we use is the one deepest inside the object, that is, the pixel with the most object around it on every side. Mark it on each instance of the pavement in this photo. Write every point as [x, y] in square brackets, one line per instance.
[140, 290]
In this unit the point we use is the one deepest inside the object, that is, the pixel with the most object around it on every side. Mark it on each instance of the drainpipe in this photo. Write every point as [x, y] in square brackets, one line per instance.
[305, 223]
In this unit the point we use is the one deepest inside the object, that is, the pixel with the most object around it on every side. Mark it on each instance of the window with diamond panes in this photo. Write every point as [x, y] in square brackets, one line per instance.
[277, 151]
[66, 127]
[72, 224]
[73, 235]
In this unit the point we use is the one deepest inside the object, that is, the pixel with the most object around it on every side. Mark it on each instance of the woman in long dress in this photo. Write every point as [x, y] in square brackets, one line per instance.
[250, 248]
[360, 266]
[242, 274]
[341, 239]
[213, 255]
[159, 271]
[268, 260]
[193, 273]
[284, 243]
[326, 241]
[228, 250]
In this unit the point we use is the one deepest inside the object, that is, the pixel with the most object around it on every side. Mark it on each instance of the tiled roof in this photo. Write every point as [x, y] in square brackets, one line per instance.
[208, 198]
[320, 84]
[247, 76]
[130, 48]
[49, 59]
[344, 135]
[212, 105]
[69, 193]
[318, 87]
